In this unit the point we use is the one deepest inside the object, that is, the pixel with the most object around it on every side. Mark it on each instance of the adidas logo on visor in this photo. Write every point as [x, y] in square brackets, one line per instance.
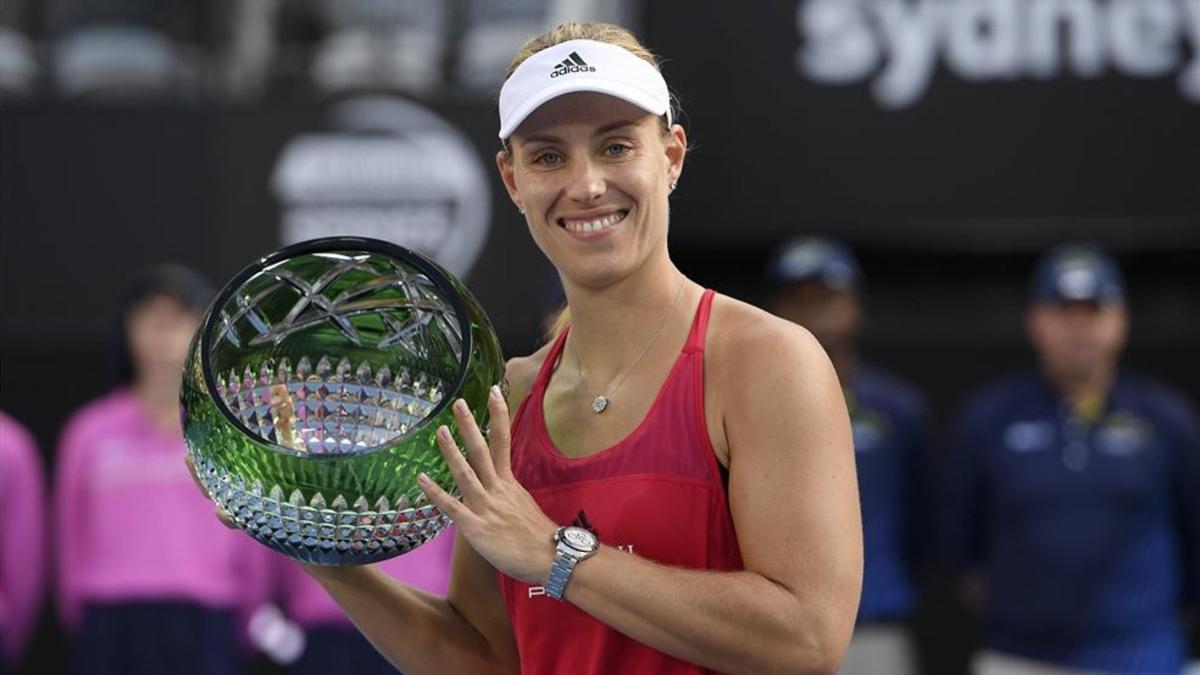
[572, 64]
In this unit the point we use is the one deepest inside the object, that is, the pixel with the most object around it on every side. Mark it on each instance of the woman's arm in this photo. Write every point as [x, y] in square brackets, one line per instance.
[466, 632]
[794, 500]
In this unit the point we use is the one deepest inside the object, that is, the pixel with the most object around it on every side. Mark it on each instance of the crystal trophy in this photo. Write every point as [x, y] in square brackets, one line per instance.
[313, 390]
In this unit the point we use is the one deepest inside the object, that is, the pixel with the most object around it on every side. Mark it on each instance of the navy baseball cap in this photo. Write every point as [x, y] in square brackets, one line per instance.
[1077, 273]
[814, 259]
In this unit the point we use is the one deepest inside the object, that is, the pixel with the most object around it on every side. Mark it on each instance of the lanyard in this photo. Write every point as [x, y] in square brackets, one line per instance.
[1075, 426]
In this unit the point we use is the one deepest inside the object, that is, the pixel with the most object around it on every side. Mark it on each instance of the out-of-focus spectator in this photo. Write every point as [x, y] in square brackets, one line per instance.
[816, 283]
[123, 48]
[392, 46]
[1073, 492]
[18, 55]
[22, 539]
[416, 47]
[487, 32]
[332, 643]
[148, 580]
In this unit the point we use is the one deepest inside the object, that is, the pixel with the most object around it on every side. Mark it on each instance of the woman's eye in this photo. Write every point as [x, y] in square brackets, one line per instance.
[616, 149]
[547, 158]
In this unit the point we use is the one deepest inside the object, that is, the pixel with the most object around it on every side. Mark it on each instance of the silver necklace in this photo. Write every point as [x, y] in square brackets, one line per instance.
[600, 403]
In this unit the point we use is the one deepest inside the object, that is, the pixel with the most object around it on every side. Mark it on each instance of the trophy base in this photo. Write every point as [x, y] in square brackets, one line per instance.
[319, 531]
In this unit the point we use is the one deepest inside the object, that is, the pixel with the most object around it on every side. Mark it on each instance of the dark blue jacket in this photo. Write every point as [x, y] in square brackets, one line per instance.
[890, 446]
[1086, 531]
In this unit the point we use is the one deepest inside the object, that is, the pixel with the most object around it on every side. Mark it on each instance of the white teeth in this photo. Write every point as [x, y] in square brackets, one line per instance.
[596, 225]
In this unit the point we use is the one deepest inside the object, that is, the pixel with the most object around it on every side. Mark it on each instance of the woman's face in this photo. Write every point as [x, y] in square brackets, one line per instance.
[592, 173]
[159, 329]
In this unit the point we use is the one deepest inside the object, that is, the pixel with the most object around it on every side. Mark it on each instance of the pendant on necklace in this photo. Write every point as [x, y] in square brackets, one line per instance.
[599, 404]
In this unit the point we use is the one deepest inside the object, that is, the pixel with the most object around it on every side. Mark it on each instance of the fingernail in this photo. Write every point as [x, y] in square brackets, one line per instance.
[496, 393]
[460, 405]
[423, 478]
[444, 432]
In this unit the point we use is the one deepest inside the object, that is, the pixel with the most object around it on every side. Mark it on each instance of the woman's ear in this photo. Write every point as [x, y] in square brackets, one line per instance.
[504, 165]
[676, 142]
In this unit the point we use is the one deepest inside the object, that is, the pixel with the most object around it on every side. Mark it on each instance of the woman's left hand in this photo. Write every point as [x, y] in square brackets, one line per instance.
[497, 516]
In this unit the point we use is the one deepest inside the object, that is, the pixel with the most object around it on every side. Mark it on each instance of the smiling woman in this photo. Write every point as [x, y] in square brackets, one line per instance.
[676, 491]
[594, 195]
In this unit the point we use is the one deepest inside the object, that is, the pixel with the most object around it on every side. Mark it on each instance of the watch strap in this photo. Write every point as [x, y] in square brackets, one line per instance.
[560, 574]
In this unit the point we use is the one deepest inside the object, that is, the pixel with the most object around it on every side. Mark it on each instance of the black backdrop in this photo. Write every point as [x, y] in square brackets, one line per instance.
[947, 200]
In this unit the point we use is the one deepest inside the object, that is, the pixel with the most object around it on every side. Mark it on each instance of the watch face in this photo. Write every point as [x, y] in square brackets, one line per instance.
[579, 538]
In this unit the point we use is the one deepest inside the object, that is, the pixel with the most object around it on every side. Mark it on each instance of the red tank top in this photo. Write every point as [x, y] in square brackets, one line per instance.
[657, 494]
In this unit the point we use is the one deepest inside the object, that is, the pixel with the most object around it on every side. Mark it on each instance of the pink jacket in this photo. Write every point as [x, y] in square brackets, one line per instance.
[131, 524]
[22, 536]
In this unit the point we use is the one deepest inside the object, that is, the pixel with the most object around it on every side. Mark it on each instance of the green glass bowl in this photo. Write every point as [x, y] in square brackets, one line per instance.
[313, 390]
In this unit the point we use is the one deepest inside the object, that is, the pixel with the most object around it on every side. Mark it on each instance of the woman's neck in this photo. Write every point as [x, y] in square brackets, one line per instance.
[610, 326]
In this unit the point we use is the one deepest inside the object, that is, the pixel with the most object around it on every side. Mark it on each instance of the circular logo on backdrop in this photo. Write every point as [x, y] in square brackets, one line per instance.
[389, 169]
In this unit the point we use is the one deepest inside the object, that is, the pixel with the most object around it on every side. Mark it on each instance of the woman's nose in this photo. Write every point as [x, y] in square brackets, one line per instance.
[587, 182]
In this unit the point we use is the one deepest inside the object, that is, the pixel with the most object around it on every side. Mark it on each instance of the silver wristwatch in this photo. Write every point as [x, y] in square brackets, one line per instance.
[572, 545]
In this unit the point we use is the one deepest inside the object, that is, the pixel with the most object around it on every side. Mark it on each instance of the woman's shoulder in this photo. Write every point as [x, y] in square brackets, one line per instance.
[767, 375]
[741, 335]
[521, 371]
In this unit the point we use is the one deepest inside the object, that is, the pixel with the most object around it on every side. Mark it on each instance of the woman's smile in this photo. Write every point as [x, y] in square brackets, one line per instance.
[592, 224]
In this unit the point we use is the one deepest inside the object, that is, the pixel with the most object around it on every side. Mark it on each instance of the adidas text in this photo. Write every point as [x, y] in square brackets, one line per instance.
[564, 70]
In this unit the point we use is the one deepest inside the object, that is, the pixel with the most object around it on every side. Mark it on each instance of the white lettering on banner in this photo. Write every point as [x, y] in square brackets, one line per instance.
[899, 43]
[982, 40]
[389, 169]
[1142, 37]
[840, 47]
[1189, 79]
[909, 35]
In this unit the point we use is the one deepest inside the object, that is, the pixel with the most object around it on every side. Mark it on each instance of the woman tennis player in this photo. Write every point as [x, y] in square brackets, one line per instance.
[676, 490]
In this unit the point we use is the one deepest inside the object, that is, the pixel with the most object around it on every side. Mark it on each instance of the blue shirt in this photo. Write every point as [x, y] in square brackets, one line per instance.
[888, 420]
[1086, 530]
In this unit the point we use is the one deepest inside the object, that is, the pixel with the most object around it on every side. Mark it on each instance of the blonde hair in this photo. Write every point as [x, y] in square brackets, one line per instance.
[600, 32]
[555, 322]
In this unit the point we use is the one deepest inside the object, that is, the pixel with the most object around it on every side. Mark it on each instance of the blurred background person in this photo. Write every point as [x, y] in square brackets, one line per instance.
[331, 642]
[1073, 492]
[148, 581]
[124, 50]
[816, 283]
[22, 540]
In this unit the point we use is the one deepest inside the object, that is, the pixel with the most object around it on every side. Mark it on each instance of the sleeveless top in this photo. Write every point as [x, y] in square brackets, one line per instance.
[657, 494]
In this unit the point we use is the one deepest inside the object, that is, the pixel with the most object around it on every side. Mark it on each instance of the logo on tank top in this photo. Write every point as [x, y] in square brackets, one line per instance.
[581, 520]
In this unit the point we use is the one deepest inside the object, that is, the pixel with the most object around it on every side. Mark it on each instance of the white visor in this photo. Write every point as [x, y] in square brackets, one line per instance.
[581, 65]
